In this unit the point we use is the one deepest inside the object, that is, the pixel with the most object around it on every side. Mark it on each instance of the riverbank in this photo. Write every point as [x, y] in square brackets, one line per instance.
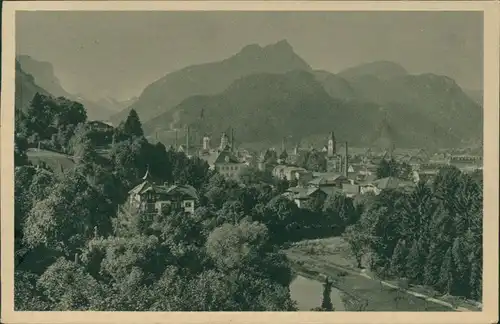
[361, 290]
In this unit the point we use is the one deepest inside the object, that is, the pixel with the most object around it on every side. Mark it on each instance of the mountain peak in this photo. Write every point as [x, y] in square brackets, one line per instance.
[251, 48]
[280, 45]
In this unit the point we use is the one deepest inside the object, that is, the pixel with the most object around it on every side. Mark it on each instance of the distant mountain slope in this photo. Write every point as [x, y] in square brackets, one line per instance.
[213, 78]
[43, 72]
[335, 85]
[476, 95]
[270, 106]
[380, 69]
[44, 77]
[437, 97]
[116, 105]
[26, 88]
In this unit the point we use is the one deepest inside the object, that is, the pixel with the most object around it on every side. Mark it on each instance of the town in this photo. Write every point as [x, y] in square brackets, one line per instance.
[351, 171]
[229, 161]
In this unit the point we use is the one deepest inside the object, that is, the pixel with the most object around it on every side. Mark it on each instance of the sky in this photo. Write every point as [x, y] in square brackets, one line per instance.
[117, 54]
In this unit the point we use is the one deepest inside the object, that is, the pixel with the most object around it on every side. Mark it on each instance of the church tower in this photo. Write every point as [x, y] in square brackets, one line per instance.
[206, 143]
[332, 151]
[224, 141]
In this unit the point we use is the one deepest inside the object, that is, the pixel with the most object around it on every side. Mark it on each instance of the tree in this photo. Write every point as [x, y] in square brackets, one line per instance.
[66, 217]
[229, 245]
[129, 160]
[339, 211]
[316, 162]
[415, 263]
[326, 303]
[68, 287]
[68, 112]
[26, 293]
[462, 268]
[250, 176]
[405, 171]
[132, 125]
[433, 265]
[280, 215]
[446, 278]
[476, 276]
[389, 168]
[398, 261]
[20, 148]
[357, 241]
[315, 202]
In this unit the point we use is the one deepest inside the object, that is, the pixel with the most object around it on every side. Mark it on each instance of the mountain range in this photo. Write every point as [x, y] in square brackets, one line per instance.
[36, 76]
[269, 92]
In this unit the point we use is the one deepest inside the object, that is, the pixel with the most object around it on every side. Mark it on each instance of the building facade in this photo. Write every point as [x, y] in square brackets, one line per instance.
[153, 198]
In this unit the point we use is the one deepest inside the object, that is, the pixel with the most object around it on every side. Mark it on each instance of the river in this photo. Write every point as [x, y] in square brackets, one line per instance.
[309, 293]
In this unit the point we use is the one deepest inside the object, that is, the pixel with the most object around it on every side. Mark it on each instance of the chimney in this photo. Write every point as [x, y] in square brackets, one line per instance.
[176, 139]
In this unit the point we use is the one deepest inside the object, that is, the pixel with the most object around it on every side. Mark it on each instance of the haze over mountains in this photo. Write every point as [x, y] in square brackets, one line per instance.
[267, 93]
[261, 94]
[35, 76]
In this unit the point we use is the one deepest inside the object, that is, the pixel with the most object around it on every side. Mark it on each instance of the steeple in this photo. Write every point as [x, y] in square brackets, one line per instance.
[332, 150]
[206, 142]
[223, 141]
[147, 176]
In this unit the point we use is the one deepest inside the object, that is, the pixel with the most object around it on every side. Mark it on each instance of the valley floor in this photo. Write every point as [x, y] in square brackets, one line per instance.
[361, 290]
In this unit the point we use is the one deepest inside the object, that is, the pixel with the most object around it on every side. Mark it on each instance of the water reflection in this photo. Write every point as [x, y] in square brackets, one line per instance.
[309, 293]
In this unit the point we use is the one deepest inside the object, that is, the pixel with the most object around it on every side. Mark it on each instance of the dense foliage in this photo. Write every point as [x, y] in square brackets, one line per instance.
[79, 246]
[393, 168]
[431, 235]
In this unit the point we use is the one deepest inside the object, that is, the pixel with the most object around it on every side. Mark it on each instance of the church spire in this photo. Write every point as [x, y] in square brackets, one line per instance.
[147, 176]
[332, 150]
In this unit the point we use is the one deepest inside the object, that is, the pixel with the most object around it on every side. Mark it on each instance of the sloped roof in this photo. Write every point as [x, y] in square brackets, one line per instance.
[209, 157]
[330, 190]
[226, 156]
[183, 189]
[387, 183]
[351, 189]
[301, 192]
[140, 188]
[329, 176]
[365, 179]
[165, 189]
[391, 183]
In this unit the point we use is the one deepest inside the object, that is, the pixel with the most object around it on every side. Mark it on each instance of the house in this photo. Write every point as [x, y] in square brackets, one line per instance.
[300, 195]
[154, 198]
[328, 179]
[465, 161]
[425, 175]
[288, 172]
[223, 159]
[351, 189]
[369, 188]
[392, 183]
[227, 164]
